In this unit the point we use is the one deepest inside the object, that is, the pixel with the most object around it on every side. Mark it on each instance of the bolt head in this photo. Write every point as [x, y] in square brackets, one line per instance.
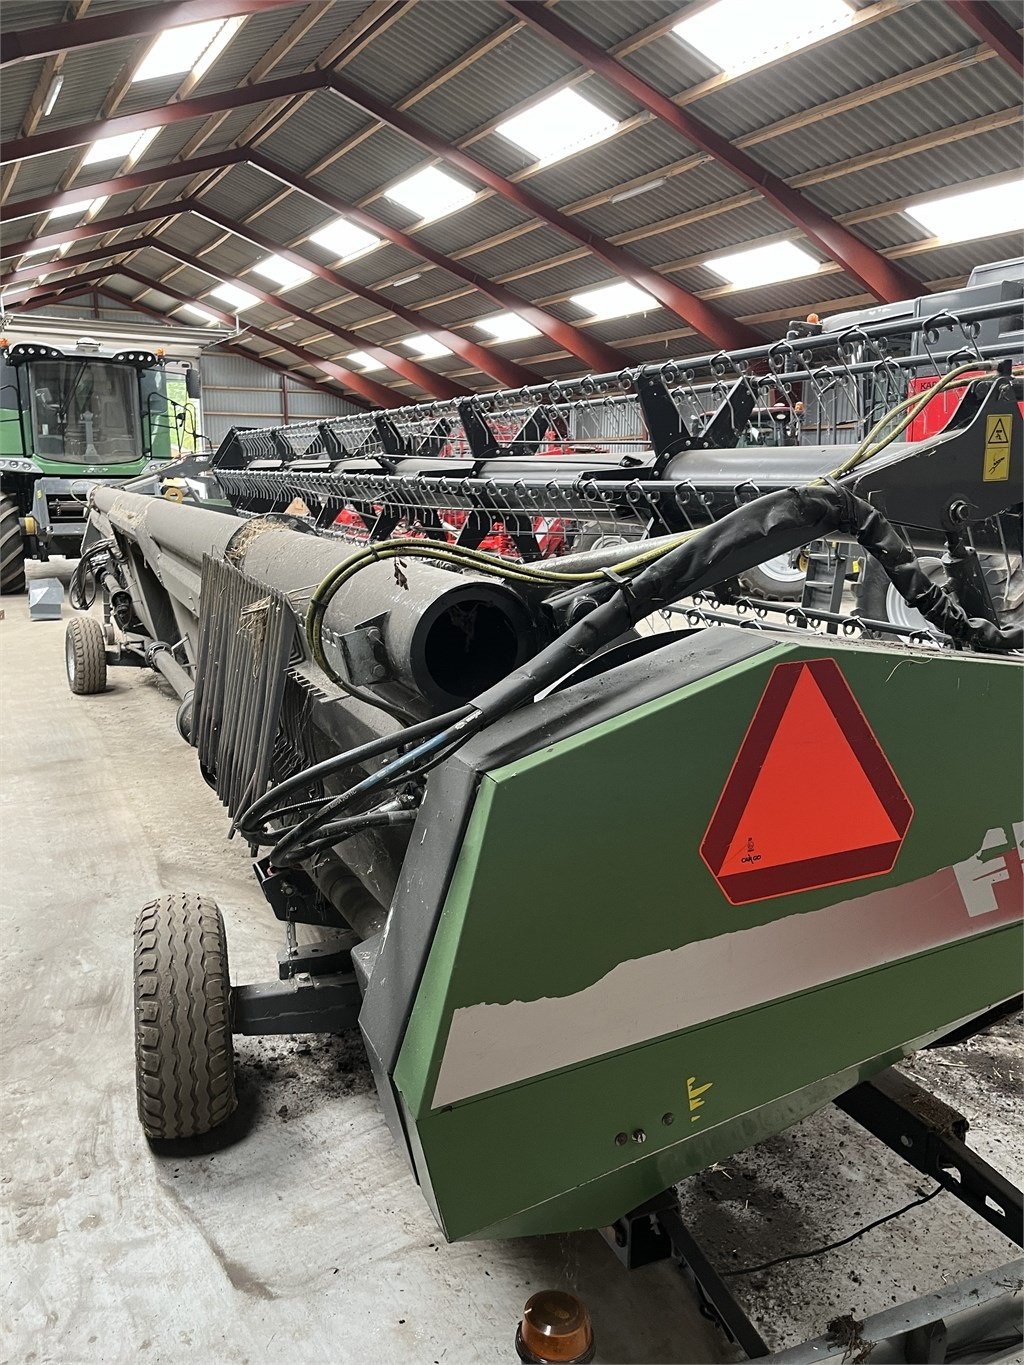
[639, 1135]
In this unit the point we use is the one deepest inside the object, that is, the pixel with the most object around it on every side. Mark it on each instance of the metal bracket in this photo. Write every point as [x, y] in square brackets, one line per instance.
[929, 1135]
[363, 652]
[655, 1231]
[301, 1004]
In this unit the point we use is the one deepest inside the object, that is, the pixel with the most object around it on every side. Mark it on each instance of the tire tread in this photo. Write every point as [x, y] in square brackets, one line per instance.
[184, 1060]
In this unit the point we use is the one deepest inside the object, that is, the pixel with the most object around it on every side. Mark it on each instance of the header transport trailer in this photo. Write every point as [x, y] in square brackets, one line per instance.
[607, 906]
[75, 410]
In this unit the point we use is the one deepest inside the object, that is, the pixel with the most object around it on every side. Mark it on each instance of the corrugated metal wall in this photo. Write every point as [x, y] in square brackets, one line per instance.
[239, 392]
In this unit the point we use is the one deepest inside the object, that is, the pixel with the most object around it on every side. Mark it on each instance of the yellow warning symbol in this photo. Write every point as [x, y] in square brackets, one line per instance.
[693, 1095]
[997, 448]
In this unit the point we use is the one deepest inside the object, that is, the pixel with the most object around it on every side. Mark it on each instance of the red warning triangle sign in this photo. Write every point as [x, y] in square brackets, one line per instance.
[811, 800]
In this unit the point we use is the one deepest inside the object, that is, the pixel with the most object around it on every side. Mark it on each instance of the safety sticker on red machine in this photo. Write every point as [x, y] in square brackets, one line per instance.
[811, 800]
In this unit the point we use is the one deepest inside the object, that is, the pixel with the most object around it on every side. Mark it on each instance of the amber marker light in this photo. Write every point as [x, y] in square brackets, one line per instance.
[555, 1328]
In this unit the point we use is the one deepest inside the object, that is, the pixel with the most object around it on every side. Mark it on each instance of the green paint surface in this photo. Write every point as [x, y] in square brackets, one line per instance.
[584, 855]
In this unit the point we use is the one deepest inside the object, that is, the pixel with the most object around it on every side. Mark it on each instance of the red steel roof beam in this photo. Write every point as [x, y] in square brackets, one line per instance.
[78, 134]
[887, 281]
[717, 327]
[992, 28]
[20, 45]
[594, 353]
[437, 385]
[103, 253]
[506, 372]
[95, 228]
[120, 184]
[378, 395]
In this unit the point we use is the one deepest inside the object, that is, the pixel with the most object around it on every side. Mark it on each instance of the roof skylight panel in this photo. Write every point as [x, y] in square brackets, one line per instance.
[559, 126]
[739, 34]
[768, 264]
[431, 193]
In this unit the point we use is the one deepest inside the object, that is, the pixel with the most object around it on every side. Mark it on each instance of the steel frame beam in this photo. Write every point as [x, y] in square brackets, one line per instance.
[48, 286]
[436, 385]
[94, 228]
[21, 45]
[703, 317]
[200, 106]
[368, 392]
[595, 354]
[44, 297]
[507, 372]
[120, 184]
[717, 327]
[990, 26]
[103, 253]
[54, 296]
[888, 282]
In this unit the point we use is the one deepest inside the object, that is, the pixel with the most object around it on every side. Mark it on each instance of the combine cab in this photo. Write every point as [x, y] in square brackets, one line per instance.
[70, 419]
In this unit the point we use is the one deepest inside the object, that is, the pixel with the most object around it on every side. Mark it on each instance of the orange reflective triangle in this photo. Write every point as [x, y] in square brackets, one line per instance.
[811, 796]
[811, 799]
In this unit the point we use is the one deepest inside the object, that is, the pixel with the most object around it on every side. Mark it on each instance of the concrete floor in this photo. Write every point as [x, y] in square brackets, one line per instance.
[305, 1238]
[299, 1235]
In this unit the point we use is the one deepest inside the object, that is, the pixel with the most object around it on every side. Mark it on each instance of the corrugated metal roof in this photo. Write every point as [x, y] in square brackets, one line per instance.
[424, 43]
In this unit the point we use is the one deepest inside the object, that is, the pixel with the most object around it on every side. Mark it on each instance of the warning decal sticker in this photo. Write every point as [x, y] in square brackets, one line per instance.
[997, 447]
[811, 800]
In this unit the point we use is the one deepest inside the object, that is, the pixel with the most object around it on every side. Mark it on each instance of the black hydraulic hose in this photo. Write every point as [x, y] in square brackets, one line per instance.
[339, 830]
[265, 806]
[771, 525]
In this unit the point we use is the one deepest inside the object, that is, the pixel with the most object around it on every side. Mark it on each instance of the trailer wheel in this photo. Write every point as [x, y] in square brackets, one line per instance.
[878, 600]
[12, 548]
[184, 1061]
[85, 656]
[776, 580]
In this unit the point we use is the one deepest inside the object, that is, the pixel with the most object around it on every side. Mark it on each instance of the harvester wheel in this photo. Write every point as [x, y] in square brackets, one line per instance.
[878, 600]
[12, 548]
[184, 1061]
[776, 580]
[85, 656]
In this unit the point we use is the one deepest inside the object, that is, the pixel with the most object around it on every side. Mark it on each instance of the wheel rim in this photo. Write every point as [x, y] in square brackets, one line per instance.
[901, 613]
[782, 569]
[69, 658]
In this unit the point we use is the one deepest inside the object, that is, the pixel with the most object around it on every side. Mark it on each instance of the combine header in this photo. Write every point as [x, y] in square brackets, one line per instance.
[607, 906]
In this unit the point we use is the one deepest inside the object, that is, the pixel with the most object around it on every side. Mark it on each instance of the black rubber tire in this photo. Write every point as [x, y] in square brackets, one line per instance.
[85, 656]
[12, 548]
[1006, 589]
[184, 1060]
[760, 582]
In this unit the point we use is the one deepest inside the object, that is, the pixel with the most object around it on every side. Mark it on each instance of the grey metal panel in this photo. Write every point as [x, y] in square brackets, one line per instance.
[612, 24]
[922, 172]
[522, 66]
[425, 40]
[232, 371]
[240, 192]
[849, 61]
[315, 130]
[379, 160]
[473, 224]
[334, 19]
[957, 98]
[256, 36]
[19, 82]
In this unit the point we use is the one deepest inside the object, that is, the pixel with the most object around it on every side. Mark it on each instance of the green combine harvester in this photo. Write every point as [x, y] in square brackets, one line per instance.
[69, 420]
[607, 906]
